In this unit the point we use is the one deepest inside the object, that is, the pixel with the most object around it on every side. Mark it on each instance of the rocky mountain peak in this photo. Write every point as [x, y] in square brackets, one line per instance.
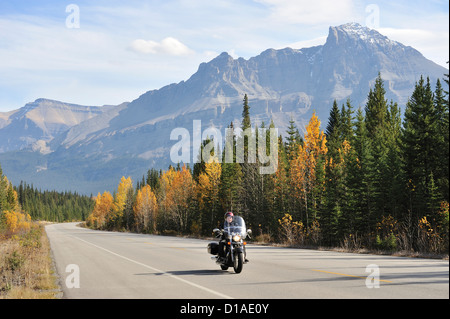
[281, 84]
[353, 33]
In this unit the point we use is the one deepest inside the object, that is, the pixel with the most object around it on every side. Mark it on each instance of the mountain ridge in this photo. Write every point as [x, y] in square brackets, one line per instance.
[41, 121]
[281, 84]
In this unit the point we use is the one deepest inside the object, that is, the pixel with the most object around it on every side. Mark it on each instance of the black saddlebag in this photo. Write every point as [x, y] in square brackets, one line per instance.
[213, 248]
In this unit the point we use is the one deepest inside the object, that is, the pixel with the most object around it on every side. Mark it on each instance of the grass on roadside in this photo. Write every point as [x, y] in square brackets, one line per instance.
[26, 269]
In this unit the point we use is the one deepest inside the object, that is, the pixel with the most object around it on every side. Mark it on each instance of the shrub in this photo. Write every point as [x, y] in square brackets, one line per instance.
[388, 243]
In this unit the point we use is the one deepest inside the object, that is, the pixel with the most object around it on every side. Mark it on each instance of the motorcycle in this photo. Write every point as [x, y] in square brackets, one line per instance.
[233, 236]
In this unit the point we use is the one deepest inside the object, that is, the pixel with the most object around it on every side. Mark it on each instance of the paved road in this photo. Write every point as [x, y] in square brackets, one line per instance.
[124, 265]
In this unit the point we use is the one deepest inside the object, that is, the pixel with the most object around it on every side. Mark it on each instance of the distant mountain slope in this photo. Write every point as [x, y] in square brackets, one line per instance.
[39, 122]
[280, 84]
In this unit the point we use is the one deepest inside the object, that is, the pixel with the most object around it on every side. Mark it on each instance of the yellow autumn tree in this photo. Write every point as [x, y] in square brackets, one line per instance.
[8, 196]
[115, 220]
[166, 181]
[17, 222]
[309, 159]
[12, 219]
[178, 198]
[121, 195]
[207, 192]
[145, 210]
[102, 208]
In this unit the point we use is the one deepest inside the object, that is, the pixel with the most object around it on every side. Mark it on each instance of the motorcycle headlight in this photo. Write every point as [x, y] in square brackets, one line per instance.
[236, 238]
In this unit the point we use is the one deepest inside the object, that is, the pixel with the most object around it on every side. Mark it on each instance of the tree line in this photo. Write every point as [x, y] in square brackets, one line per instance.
[373, 179]
[52, 205]
[20, 205]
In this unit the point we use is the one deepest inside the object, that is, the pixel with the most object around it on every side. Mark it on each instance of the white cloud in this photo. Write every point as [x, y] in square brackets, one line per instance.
[310, 12]
[101, 64]
[170, 46]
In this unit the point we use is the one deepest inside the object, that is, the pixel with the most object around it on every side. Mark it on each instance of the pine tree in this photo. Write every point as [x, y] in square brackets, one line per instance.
[3, 189]
[346, 126]
[333, 131]
[293, 140]
[420, 141]
[331, 209]
[393, 175]
[152, 179]
[281, 196]
[359, 211]
[246, 123]
[251, 185]
[383, 127]
[442, 109]
[376, 108]
[231, 179]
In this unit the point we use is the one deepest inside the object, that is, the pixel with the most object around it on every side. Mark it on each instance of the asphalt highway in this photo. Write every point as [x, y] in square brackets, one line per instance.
[103, 265]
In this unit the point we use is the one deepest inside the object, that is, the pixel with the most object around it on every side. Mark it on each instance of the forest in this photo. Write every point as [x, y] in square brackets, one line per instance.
[21, 205]
[374, 179]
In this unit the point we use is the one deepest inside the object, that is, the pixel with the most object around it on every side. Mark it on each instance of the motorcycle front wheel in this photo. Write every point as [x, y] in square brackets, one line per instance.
[238, 262]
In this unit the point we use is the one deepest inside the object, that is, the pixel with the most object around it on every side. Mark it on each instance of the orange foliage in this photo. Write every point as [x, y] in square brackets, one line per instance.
[17, 222]
[179, 190]
[120, 197]
[103, 207]
[208, 183]
[303, 167]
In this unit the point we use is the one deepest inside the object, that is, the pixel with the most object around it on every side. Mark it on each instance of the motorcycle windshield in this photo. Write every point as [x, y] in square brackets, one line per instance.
[237, 226]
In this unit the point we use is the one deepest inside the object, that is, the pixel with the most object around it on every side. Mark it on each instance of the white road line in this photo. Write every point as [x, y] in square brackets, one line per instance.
[157, 270]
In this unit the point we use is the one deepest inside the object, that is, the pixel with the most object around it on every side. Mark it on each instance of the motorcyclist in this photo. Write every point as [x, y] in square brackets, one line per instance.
[223, 240]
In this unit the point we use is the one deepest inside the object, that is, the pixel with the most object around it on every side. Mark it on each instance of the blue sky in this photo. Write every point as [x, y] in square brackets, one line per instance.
[124, 48]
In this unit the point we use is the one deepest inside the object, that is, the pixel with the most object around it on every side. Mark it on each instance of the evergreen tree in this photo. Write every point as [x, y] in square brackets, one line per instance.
[246, 123]
[333, 131]
[359, 210]
[331, 209]
[231, 178]
[376, 108]
[392, 176]
[53, 206]
[281, 195]
[420, 141]
[346, 126]
[442, 109]
[383, 127]
[3, 189]
[152, 179]
[293, 140]
[199, 166]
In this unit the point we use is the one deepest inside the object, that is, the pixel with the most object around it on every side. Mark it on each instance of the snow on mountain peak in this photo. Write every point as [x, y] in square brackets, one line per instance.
[355, 32]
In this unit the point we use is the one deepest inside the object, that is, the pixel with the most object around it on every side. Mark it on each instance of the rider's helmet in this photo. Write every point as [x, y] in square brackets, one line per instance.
[228, 214]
